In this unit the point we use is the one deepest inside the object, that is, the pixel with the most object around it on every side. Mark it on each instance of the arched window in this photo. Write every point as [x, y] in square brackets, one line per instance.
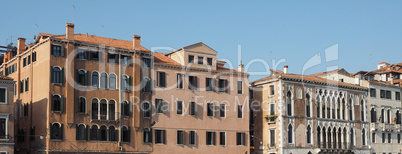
[388, 116]
[343, 109]
[339, 138]
[334, 137]
[350, 109]
[382, 115]
[112, 81]
[373, 115]
[352, 137]
[338, 109]
[323, 108]
[362, 110]
[290, 134]
[56, 131]
[57, 103]
[113, 133]
[94, 109]
[125, 108]
[56, 75]
[103, 80]
[94, 133]
[333, 108]
[328, 108]
[103, 109]
[319, 137]
[344, 138]
[398, 117]
[125, 134]
[363, 137]
[147, 135]
[289, 103]
[81, 79]
[308, 105]
[146, 85]
[82, 105]
[112, 110]
[146, 109]
[324, 137]
[329, 138]
[308, 134]
[81, 132]
[317, 100]
[95, 79]
[124, 83]
[103, 133]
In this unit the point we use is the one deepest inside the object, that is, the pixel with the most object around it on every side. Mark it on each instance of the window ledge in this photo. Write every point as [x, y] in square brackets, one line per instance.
[56, 140]
[58, 84]
[56, 112]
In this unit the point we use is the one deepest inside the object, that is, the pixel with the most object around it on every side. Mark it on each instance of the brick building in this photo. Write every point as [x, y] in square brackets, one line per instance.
[7, 115]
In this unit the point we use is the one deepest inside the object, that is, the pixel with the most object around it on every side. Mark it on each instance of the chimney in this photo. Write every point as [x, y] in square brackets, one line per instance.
[70, 31]
[21, 45]
[392, 80]
[240, 68]
[5, 59]
[136, 42]
[357, 80]
[285, 69]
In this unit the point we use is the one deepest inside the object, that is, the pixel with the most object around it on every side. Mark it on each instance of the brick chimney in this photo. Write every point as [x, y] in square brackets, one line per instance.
[392, 80]
[240, 68]
[285, 69]
[21, 45]
[70, 31]
[136, 42]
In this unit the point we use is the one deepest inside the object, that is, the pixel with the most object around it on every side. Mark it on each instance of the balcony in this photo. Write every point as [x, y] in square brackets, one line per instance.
[375, 127]
[271, 118]
[398, 128]
[388, 128]
[104, 116]
[332, 146]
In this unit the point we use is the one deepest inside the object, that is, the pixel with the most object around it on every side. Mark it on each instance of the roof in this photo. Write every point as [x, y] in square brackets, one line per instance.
[124, 44]
[2, 77]
[340, 71]
[191, 45]
[393, 68]
[383, 63]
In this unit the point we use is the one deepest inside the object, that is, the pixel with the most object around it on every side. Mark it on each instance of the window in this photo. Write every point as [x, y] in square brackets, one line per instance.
[56, 131]
[103, 81]
[29, 60]
[382, 115]
[190, 59]
[146, 62]
[34, 56]
[3, 96]
[161, 76]
[113, 134]
[126, 60]
[24, 62]
[239, 87]
[192, 109]
[200, 60]
[125, 134]
[103, 133]
[383, 137]
[180, 79]
[362, 110]
[272, 138]
[272, 90]
[82, 77]
[289, 103]
[146, 85]
[126, 83]
[159, 105]
[147, 135]
[398, 117]
[82, 54]
[209, 61]
[382, 93]
[179, 107]
[125, 108]
[93, 133]
[112, 81]
[160, 137]
[94, 108]
[399, 138]
[290, 134]
[251, 93]
[180, 136]
[82, 105]
[3, 127]
[146, 110]
[26, 109]
[388, 94]
[350, 109]
[239, 111]
[192, 80]
[222, 110]
[57, 50]
[211, 138]
[192, 138]
[373, 114]
[308, 134]
[210, 109]
[222, 138]
[397, 95]
[57, 75]
[363, 137]
[81, 132]
[208, 84]
[21, 86]
[113, 58]
[95, 79]
[240, 138]
[389, 138]
[112, 110]
[103, 109]
[57, 103]
[308, 108]
[373, 137]
[373, 92]
[94, 55]
[32, 134]
[223, 85]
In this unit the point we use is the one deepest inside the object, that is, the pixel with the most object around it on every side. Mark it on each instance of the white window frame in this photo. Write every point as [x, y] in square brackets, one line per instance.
[6, 102]
[242, 113]
[182, 136]
[5, 116]
[182, 107]
[150, 108]
[242, 89]
[214, 135]
[220, 138]
[195, 138]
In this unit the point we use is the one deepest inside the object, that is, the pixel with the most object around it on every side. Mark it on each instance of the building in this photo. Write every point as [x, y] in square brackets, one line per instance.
[7, 115]
[206, 103]
[384, 103]
[308, 114]
[75, 93]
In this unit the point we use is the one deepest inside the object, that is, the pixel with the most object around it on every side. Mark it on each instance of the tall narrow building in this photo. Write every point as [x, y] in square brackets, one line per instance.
[7, 115]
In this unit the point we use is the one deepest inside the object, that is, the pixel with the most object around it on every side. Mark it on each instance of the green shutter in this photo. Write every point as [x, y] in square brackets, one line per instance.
[62, 76]
[87, 78]
[122, 109]
[61, 131]
[130, 108]
[51, 74]
[76, 132]
[62, 104]
[129, 132]
[51, 102]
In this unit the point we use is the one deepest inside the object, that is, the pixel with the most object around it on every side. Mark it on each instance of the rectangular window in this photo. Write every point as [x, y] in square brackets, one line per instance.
[398, 95]
[209, 61]
[160, 137]
[272, 109]
[147, 136]
[399, 138]
[180, 79]
[24, 62]
[180, 137]
[239, 111]
[95, 55]
[382, 93]
[208, 84]
[32, 134]
[126, 60]
[192, 109]
[388, 94]
[210, 138]
[159, 105]
[240, 139]
[29, 60]
[192, 138]
[180, 107]
[161, 76]
[222, 138]
[272, 138]
[146, 62]
[373, 92]
[3, 128]
[3, 96]
[251, 93]
[373, 137]
[34, 56]
[192, 80]
[82, 54]
[239, 87]
[113, 58]
[21, 86]
[223, 85]
[389, 138]
[56, 50]
[190, 59]
[210, 109]
[383, 137]
[26, 110]
[272, 90]
[26, 84]
[200, 60]
[222, 110]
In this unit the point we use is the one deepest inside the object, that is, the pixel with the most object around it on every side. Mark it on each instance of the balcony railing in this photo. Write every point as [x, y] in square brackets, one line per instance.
[271, 118]
[330, 145]
[103, 116]
[398, 127]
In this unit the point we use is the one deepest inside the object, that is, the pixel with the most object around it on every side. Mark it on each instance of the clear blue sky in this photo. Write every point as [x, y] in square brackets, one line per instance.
[367, 32]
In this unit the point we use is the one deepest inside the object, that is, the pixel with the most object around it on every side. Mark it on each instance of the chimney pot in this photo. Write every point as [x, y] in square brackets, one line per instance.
[136, 42]
[70, 31]
[392, 80]
[21, 45]
[240, 68]
[285, 69]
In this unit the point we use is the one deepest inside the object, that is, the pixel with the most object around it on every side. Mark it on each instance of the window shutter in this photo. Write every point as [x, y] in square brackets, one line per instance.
[76, 132]
[62, 76]
[62, 51]
[214, 138]
[122, 108]
[150, 135]
[51, 103]
[116, 135]
[87, 78]
[61, 131]
[51, 75]
[129, 132]
[164, 136]
[61, 103]
[130, 105]
[108, 135]
[86, 133]
[130, 81]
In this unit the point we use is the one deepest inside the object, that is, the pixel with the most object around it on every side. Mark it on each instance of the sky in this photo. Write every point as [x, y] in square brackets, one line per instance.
[357, 35]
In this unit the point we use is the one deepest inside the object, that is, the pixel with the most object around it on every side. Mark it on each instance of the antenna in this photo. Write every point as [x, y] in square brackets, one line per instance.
[36, 25]
[73, 12]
